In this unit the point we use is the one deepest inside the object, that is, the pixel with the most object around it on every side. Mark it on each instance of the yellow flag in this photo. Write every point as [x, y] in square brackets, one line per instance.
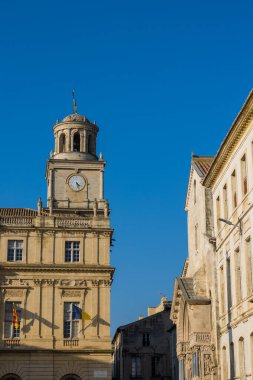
[85, 316]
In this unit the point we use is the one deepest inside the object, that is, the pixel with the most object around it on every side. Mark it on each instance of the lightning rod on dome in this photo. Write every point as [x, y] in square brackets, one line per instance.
[74, 102]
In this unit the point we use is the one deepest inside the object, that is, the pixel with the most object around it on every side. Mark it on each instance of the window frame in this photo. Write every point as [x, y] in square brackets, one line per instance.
[155, 366]
[15, 250]
[135, 367]
[146, 339]
[70, 325]
[72, 252]
[8, 323]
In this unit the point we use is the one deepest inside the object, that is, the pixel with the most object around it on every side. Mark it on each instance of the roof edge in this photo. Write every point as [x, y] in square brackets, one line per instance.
[236, 130]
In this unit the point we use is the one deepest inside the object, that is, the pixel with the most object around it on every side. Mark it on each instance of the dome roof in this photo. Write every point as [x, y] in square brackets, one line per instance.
[75, 117]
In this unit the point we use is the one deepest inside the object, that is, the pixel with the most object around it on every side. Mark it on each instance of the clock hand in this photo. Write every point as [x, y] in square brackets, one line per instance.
[77, 184]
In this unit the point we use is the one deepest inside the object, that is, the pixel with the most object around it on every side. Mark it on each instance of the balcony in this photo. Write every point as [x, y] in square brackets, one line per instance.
[71, 343]
[11, 343]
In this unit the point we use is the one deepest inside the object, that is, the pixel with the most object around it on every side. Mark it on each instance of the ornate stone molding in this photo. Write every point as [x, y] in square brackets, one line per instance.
[95, 283]
[14, 292]
[200, 338]
[71, 293]
[60, 268]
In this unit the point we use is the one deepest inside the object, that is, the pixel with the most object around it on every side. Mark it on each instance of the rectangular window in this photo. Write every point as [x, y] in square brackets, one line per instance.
[195, 364]
[72, 251]
[136, 367]
[71, 326]
[181, 369]
[244, 175]
[12, 320]
[225, 201]
[15, 250]
[145, 339]
[155, 366]
[233, 188]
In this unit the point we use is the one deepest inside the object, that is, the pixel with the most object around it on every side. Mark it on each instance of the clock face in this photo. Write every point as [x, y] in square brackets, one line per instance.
[76, 182]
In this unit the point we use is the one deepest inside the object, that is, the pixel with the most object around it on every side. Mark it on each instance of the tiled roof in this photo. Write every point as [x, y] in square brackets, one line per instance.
[18, 212]
[202, 164]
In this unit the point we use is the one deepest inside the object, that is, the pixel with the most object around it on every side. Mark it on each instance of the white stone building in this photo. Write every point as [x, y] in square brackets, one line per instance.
[231, 181]
[213, 299]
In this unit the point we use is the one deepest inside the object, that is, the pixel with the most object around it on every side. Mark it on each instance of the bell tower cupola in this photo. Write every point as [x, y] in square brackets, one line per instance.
[75, 138]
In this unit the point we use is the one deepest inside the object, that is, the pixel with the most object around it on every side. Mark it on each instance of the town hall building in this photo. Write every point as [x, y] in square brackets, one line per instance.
[55, 272]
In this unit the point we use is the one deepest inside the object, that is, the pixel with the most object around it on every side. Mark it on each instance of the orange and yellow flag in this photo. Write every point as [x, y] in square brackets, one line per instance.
[15, 320]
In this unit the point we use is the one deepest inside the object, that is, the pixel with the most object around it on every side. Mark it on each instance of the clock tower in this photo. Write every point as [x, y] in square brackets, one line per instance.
[74, 172]
[55, 272]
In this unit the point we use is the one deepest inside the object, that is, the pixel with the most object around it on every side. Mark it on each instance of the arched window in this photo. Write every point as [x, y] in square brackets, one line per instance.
[10, 376]
[224, 363]
[232, 361]
[241, 358]
[251, 351]
[71, 377]
[76, 142]
[62, 143]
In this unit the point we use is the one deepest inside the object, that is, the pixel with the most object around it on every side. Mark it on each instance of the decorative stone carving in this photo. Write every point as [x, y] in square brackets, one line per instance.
[200, 338]
[6, 282]
[73, 223]
[71, 293]
[208, 364]
[105, 283]
[14, 293]
[81, 283]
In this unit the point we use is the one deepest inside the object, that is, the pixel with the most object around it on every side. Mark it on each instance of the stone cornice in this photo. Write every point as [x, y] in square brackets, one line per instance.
[25, 229]
[231, 140]
[44, 268]
[188, 189]
[57, 351]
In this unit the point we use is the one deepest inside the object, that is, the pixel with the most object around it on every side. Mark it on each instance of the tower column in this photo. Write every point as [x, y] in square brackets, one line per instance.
[84, 146]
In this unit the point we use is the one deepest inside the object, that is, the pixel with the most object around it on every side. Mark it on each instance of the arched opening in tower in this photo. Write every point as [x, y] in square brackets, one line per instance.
[62, 143]
[76, 142]
[89, 144]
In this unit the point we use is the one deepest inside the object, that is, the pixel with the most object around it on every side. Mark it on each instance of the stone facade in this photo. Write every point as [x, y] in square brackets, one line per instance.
[55, 268]
[193, 309]
[147, 348]
[213, 299]
[231, 182]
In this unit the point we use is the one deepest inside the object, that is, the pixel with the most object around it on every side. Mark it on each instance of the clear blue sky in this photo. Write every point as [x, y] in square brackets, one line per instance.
[161, 78]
